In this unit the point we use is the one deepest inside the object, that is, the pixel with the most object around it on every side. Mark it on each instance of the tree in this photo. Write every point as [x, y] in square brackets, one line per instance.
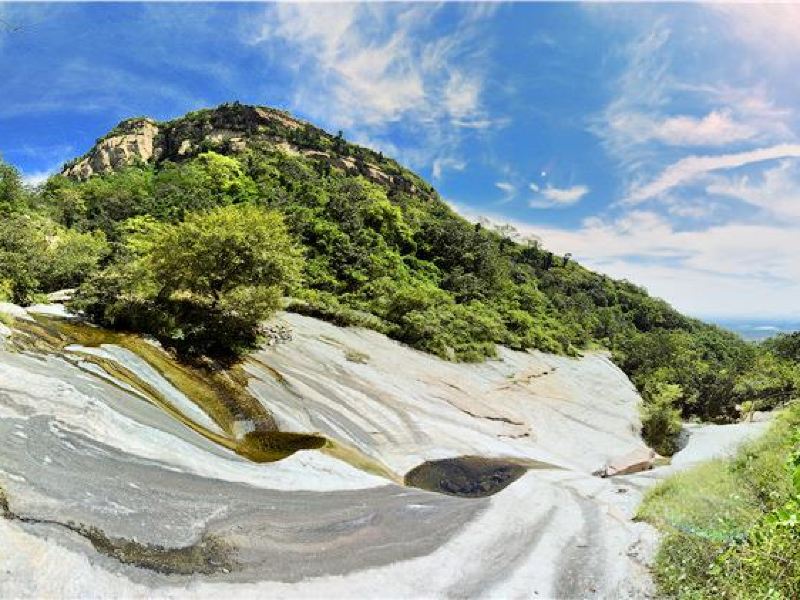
[202, 286]
[12, 190]
[210, 255]
[36, 255]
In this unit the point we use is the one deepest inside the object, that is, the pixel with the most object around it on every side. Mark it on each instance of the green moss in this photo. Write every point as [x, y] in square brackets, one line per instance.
[356, 356]
[208, 556]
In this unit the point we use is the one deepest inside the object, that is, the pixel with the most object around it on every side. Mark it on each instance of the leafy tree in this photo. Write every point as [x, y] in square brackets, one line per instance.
[214, 255]
[12, 191]
[202, 286]
[36, 255]
[661, 419]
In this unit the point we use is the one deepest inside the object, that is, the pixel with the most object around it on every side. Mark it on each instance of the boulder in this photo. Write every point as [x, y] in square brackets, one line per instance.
[640, 459]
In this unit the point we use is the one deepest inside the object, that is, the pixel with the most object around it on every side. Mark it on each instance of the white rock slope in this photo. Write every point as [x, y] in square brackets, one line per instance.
[86, 459]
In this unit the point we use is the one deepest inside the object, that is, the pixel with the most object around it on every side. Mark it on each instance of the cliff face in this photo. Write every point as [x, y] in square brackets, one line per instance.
[137, 141]
[232, 129]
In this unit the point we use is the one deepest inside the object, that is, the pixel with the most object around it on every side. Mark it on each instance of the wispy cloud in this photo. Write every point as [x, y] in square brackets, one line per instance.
[369, 67]
[769, 28]
[717, 128]
[776, 192]
[440, 165]
[550, 197]
[691, 168]
[509, 190]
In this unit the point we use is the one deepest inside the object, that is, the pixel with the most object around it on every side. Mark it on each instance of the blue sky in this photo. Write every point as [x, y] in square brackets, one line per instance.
[658, 143]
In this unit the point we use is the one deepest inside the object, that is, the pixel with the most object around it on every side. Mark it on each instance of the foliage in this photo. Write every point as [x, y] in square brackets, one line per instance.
[661, 419]
[383, 251]
[732, 527]
[36, 255]
[203, 285]
[12, 191]
[785, 345]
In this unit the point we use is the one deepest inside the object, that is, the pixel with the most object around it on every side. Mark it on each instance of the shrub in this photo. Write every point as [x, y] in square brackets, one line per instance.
[661, 420]
[732, 528]
[202, 286]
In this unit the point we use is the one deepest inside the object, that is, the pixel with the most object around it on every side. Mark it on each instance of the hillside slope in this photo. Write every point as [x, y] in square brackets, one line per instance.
[383, 251]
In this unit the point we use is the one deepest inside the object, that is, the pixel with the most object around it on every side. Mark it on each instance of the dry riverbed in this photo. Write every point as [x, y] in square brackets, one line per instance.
[339, 463]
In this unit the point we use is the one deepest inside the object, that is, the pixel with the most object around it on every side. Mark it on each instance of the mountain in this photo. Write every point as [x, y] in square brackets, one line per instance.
[382, 250]
[232, 129]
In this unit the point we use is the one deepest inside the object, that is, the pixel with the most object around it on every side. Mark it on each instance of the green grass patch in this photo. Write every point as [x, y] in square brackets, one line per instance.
[6, 319]
[722, 538]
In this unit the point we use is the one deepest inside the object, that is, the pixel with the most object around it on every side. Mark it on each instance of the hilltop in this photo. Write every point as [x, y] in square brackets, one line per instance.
[361, 240]
[232, 129]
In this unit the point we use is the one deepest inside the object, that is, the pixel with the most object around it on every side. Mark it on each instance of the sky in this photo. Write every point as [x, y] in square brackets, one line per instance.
[655, 142]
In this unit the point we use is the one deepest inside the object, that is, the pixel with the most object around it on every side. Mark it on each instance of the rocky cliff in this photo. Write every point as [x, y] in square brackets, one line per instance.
[232, 129]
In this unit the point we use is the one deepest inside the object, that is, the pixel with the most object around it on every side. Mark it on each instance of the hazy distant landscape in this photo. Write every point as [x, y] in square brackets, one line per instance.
[758, 329]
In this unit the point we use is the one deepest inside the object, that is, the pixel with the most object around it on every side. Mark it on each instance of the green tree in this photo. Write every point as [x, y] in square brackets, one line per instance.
[661, 420]
[202, 286]
[37, 255]
[12, 191]
[210, 255]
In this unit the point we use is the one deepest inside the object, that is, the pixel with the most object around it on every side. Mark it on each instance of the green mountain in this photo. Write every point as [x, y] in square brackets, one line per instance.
[380, 250]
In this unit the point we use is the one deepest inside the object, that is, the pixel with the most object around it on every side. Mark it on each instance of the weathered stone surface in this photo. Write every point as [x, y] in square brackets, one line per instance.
[80, 445]
[137, 142]
[229, 129]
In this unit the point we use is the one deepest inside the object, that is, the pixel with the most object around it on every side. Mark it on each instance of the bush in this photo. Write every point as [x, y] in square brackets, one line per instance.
[202, 286]
[36, 255]
[661, 420]
[732, 528]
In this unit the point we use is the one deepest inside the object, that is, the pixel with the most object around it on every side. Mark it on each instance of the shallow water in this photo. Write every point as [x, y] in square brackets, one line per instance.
[465, 476]
[213, 401]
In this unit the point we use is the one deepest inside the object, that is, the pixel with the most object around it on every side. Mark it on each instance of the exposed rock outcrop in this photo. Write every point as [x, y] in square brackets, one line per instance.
[232, 129]
[134, 140]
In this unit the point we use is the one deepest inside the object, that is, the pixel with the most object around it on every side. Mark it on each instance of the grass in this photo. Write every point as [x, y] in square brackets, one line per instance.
[715, 544]
[6, 319]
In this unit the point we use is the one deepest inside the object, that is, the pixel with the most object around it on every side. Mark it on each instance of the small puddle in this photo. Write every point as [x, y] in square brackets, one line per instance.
[466, 476]
[231, 416]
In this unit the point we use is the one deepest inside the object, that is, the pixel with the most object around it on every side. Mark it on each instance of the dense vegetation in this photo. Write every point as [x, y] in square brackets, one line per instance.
[196, 249]
[732, 528]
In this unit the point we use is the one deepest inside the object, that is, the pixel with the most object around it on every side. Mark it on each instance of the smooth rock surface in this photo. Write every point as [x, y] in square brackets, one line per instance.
[81, 447]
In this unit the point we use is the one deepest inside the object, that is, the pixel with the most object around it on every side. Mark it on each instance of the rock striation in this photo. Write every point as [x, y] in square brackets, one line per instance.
[105, 493]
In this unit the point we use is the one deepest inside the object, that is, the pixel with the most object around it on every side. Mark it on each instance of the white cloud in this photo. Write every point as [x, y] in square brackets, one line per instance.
[440, 165]
[777, 192]
[362, 65]
[718, 128]
[689, 169]
[641, 90]
[505, 186]
[724, 270]
[36, 178]
[769, 28]
[653, 107]
[552, 197]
